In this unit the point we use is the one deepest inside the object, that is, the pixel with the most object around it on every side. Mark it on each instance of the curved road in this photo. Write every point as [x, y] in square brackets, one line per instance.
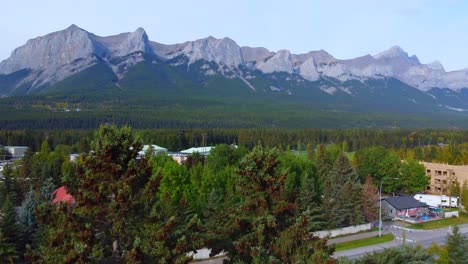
[421, 237]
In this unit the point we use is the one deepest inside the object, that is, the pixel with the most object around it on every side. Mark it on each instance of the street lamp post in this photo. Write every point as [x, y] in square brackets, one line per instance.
[380, 204]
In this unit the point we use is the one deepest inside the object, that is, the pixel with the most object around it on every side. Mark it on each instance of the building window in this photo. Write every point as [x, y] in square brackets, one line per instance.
[428, 188]
[445, 173]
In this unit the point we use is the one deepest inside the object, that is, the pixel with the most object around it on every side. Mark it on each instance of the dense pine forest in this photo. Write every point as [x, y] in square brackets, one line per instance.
[258, 202]
[445, 146]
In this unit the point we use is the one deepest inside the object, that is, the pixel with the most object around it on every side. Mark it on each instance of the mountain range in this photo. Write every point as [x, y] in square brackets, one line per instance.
[74, 61]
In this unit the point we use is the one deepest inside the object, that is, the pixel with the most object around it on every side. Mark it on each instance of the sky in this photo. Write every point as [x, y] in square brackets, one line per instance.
[430, 29]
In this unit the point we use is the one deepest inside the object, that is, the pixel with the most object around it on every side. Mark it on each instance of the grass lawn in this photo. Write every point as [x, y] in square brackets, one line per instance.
[364, 242]
[463, 219]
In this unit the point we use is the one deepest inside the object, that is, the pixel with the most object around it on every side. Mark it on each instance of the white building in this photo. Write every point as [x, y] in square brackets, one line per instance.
[156, 150]
[16, 151]
[437, 200]
[204, 151]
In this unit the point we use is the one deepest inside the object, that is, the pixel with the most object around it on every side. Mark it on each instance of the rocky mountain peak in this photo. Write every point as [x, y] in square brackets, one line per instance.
[436, 65]
[280, 62]
[224, 51]
[73, 27]
[255, 54]
[50, 51]
[63, 53]
[136, 41]
[392, 52]
[140, 34]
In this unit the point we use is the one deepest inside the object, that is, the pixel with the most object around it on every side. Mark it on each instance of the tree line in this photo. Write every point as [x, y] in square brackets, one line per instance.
[420, 144]
[258, 205]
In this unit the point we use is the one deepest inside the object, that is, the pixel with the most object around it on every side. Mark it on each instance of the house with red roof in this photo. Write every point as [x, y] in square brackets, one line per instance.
[61, 195]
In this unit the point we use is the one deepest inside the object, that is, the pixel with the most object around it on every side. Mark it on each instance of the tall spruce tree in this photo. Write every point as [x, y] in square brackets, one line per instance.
[27, 222]
[265, 226]
[457, 247]
[10, 187]
[109, 223]
[341, 200]
[10, 239]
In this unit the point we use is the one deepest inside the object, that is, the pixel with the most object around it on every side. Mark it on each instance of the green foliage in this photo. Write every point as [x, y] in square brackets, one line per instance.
[342, 198]
[439, 251]
[10, 187]
[379, 163]
[464, 194]
[27, 221]
[110, 221]
[9, 231]
[397, 255]
[413, 177]
[8, 253]
[457, 247]
[263, 225]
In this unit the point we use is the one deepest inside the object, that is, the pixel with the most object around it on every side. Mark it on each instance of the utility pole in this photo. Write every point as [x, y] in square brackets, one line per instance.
[380, 204]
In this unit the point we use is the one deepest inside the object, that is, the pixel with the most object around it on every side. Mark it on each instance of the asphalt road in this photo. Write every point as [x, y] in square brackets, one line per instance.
[422, 237]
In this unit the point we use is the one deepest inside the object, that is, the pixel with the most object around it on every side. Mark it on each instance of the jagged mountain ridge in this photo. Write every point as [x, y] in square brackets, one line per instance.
[59, 55]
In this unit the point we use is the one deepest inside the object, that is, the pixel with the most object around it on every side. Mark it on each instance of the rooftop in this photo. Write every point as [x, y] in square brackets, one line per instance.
[404, 202]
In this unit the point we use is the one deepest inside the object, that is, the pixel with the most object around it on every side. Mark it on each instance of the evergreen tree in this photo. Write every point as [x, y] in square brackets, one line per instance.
[324, 163]
[105, 191]
[9, 230]
[118, 216]
[8, 253]
[341, 200]
[457, 247]
[264, 226]
[47, 190]
[27, 221]
[10, 187]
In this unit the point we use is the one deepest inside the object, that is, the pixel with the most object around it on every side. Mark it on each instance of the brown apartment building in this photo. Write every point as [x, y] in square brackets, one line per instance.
[443, 176]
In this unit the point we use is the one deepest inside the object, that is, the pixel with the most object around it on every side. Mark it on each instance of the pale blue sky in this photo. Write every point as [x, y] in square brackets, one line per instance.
[431, 29]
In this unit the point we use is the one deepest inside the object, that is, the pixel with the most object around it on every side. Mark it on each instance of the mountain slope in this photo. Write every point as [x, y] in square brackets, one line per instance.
[113, 74]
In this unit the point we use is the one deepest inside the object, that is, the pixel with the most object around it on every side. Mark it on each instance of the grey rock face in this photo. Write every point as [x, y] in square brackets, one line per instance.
[222, 51]
[280, 62]
[124, 44]
[56, 56]
[254, 55]
[51, 51]
[61, 54]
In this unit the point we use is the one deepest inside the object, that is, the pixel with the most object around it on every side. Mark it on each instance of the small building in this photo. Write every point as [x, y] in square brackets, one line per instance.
[73, 157]
[404, 207]
[179, 157]
[156, 150]
[204, 151]
[16, 151]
